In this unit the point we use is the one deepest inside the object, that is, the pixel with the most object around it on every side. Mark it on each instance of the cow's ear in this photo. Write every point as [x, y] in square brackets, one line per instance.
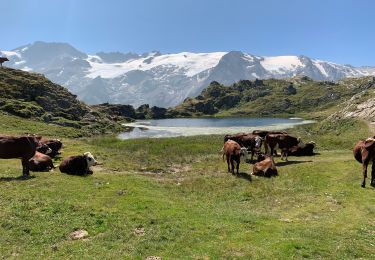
[369, 144]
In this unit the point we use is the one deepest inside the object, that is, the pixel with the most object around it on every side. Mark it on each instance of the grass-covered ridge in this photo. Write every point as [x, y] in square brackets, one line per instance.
[274, 97]
[33, 96]
[178, 191]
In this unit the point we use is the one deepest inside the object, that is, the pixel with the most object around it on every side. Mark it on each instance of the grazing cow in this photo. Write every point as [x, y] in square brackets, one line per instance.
[2, 60]
[40, 163]
[23, 147]
[252, 142]
[364, 152]
[54, 144]
[302, 150]
[284, 141]
[78, 165]
[234, 153]
[265, 166]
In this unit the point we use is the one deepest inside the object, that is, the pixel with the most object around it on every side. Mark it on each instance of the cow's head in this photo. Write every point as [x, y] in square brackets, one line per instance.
[369, 143]
[90, 159]
[243, 154]
[260, 156]
[43, 148]
[258, 142]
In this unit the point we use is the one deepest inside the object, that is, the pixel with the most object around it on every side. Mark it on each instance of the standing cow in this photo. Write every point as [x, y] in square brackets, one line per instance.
[252, 142]
[364, 152]
[284, 141]
[234, 153]
[23, 147]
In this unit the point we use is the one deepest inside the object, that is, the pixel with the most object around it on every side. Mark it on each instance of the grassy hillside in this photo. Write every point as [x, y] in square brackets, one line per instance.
[274, 97]
[173, 198]
[32, 96]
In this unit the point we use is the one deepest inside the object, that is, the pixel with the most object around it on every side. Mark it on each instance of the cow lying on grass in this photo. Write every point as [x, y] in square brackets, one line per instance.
[234, 153]
[78, 165]
[364, 152]
[40, 163]
[302, 150]
[53, 146]
[265, 166]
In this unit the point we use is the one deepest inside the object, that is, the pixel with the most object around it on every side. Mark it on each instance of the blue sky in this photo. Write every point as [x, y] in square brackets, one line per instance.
[341, 31]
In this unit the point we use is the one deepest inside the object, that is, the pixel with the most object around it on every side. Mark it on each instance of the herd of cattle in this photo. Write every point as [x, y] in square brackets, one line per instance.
[236, 148]
[36, 155]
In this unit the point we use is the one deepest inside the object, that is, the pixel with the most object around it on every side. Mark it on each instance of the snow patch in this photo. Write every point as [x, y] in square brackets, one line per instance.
[11, 53]
[280, 64]
[186, 62]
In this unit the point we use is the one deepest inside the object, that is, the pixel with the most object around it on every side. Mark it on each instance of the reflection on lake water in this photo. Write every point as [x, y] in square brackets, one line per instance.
[158, 128]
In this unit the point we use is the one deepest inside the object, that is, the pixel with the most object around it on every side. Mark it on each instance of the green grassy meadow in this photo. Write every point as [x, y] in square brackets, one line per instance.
[178, 193]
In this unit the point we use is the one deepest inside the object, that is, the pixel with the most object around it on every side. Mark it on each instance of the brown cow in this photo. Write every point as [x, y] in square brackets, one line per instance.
[2, 60]
[78, 165]
[234, 153]
[284, 141]
[23, 147]
[364, 152]
[302, 150]
[54, 145]
[252, 142]
[40, 163]
[265, 167]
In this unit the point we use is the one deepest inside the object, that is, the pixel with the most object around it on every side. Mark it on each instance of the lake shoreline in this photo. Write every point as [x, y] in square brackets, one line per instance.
[163, 128]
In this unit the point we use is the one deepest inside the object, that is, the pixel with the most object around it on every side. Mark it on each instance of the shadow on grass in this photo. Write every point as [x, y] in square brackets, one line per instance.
[291, 162]
[19, 178]
[243, 175]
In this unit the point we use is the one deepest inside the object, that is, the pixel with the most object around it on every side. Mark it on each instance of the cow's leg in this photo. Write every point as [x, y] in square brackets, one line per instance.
[228, 163]
[25, 167]
[232, 164]
[364, 170]
[285, 155]
[238, 166]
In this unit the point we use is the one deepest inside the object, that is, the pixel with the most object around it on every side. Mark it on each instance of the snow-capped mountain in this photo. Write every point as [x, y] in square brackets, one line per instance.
[161, 79]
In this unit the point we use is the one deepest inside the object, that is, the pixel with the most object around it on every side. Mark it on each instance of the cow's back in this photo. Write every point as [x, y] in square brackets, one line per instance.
[75, 165]
[17, 147]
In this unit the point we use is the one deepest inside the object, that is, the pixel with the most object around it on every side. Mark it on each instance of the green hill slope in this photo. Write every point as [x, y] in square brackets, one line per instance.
[274, 97]
[33, 96]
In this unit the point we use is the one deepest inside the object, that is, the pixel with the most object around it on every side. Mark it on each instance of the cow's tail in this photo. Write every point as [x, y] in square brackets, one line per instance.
[222, 152]
[358, 155]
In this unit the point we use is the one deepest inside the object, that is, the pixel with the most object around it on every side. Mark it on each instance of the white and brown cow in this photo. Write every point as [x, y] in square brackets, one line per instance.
[234, 153]
[78, 165]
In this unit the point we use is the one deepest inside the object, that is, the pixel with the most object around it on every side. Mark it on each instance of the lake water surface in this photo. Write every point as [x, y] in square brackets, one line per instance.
[158, 128]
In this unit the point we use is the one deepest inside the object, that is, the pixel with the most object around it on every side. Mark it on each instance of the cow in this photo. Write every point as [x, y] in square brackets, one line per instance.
[233, 153]
[284, 141]
[264, 133]
[364, 152]
[265, 166]
[252, 142]
[2, 60]
[23, 147]
[78, 165]
[54, 145]
[302, 150]
[40, 163]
